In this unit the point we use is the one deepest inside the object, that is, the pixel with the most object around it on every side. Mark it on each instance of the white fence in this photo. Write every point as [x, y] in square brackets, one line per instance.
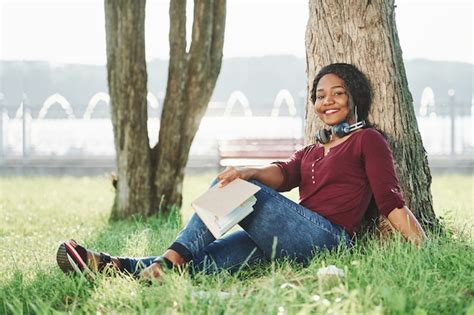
[94, 137]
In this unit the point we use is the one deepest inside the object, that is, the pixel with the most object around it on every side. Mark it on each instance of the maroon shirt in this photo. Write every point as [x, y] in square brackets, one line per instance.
[339, 186]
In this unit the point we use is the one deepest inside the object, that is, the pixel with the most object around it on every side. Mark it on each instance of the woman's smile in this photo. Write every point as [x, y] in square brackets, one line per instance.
[331, 111]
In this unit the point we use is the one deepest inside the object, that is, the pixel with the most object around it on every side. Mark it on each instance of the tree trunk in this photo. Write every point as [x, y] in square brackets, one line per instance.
[150, 180]
[191, 79]
[364, 33]
[127, 80]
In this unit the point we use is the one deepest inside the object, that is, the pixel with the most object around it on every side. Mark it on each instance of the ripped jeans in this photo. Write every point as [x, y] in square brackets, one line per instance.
[277, 228]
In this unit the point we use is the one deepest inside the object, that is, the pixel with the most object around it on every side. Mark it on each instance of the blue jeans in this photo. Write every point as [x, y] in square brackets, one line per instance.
[278, 228]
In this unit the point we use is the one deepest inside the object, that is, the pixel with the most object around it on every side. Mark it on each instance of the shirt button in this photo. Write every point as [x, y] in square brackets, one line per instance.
[314, 182]
[312, 177]
[312, 170]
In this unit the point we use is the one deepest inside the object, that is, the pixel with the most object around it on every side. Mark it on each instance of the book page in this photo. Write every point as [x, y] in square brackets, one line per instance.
[220, 225]
[236, 215]
[210, 221]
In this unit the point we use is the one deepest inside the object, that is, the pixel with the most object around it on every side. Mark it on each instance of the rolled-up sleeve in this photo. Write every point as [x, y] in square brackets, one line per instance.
[291, 171]
[380, 170]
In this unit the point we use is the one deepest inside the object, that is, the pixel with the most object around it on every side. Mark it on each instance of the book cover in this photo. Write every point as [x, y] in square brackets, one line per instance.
[221, 208]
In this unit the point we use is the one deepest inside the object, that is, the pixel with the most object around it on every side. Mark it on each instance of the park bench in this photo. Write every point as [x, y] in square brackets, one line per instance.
[256, 151]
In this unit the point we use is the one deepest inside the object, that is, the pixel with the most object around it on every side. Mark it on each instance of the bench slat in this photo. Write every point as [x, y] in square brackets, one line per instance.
[256, 151]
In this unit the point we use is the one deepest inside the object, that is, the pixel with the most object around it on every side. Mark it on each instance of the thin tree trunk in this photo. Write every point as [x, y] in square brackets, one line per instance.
[364, 33]
[127, 80]
[191, 80]
[150, 180]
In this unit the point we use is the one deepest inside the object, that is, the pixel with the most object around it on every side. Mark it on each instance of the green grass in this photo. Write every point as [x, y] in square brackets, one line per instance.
[389, 278]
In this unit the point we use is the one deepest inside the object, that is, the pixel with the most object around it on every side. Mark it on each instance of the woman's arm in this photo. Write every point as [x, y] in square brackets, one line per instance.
[406, 223]
[269, 175]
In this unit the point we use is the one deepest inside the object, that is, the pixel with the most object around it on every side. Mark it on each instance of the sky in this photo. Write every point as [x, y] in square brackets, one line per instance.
[71, 31]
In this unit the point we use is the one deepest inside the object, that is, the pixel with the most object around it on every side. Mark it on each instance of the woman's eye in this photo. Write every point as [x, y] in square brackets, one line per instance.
[319, 97]
[339, 93]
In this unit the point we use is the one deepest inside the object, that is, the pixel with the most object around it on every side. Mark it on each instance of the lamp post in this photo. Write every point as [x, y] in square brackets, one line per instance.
[24, 104]
[2, 104]
[301, 110]
[452, 115]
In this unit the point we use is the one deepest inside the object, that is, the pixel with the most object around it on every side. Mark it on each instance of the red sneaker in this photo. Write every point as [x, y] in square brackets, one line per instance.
[72, 257]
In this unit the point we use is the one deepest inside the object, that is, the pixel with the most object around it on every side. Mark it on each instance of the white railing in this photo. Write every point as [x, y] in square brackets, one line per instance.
[95, 136]
[84, 136]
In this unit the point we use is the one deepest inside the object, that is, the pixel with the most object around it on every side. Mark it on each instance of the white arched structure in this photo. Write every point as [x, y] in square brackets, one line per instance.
[427, 101]
[237, 97]
[53, 99]
[283, 96]
[100, 96]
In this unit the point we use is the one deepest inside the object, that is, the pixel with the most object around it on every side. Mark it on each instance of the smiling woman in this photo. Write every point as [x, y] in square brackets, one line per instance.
[335, 191]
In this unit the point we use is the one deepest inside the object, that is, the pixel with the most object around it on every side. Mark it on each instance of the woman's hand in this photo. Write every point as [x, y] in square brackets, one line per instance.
[406, 223]
[269, 175]
[151, 273]
[231, 173]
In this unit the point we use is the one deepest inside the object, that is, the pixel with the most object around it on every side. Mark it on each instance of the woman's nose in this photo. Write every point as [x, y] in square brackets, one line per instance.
[328, 100]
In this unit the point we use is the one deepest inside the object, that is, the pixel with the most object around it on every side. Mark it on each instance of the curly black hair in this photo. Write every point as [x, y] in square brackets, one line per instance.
[356, 84]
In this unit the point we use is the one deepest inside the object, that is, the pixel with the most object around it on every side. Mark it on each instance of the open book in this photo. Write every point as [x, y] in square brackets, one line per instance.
[220, 208]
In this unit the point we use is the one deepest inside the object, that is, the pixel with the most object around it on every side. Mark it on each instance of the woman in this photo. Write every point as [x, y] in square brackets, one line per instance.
[337, 178]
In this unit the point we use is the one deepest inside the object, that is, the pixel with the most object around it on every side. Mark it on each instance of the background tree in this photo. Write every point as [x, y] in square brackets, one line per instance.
[364, 33]
[150, 179]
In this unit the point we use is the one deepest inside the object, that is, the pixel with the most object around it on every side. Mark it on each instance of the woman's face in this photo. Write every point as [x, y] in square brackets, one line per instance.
[332, 101]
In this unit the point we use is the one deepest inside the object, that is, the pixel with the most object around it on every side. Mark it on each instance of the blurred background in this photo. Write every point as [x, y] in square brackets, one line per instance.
[54, 103]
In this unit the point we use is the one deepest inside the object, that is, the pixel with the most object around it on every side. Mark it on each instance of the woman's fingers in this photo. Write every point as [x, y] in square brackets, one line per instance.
[226, 172]
[224, 182]
[152, 272]
[228, 175]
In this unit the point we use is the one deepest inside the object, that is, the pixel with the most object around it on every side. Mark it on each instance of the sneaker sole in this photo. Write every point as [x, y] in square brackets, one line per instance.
[68, 261]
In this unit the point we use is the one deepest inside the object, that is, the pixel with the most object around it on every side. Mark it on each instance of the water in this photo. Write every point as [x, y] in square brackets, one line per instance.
[94, 137]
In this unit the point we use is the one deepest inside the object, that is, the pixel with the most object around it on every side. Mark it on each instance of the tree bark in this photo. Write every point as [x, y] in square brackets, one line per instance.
[150, 180]
[191, 79]
[127, 80]
[364, 33]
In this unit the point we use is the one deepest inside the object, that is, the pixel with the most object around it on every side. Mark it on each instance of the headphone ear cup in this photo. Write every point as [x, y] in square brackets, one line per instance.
[323, 136]
[341, 129]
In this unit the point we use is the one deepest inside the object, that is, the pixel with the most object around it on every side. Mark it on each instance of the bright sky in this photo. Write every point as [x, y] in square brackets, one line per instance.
[71, 31]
